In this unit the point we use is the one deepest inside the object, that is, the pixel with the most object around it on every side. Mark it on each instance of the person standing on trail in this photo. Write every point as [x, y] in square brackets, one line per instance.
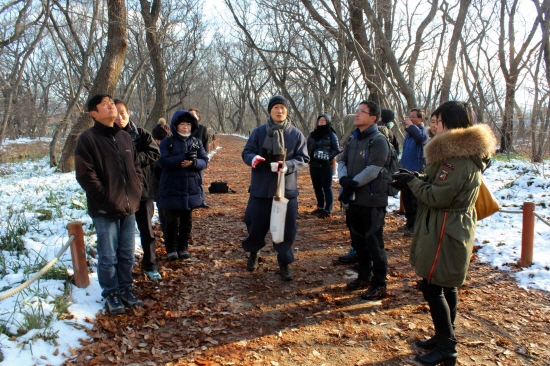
[322, 147]
[202, 134]
[445, 228]
[148, 152]
[273, 142]
[107, 167]
[365, 190]
[182, 157]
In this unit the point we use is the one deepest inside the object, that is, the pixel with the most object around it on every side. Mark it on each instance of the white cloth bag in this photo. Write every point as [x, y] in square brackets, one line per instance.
[278, 212]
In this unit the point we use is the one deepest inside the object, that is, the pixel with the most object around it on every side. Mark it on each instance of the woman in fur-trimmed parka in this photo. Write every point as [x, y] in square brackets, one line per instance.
[446, 219]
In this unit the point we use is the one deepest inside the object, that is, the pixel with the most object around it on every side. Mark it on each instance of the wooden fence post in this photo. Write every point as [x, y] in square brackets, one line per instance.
[527, 235]
[78, 255]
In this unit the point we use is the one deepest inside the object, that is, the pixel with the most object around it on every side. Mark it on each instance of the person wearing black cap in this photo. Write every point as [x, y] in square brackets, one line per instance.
[182, 157]
[160, 132]
[278, 142]
[322, 147]
[107, 167]
[387, 118]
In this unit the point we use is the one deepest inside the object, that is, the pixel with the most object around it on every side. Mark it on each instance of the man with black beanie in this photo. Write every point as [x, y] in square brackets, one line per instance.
[282, 144]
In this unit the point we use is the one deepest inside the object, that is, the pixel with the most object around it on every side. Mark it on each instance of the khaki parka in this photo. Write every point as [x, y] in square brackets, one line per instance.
[446, 219]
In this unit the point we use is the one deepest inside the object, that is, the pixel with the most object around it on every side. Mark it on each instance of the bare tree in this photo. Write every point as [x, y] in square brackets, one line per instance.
[107, 75]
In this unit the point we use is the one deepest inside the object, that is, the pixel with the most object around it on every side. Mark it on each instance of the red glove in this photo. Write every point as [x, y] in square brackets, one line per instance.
[257, 160]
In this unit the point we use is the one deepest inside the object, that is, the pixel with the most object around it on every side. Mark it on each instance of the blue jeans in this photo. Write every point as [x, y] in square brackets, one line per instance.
[322, 184]
[115, 249]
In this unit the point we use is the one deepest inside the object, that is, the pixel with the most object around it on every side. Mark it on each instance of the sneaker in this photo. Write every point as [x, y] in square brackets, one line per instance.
[324, 215]
[357, 284]
[153, 275]
[172, 256]
[252, 263]
[114, 304]
[349, 258]
[129, 299]
[374, 293]
[184, 254]
[317, 211]
[285, 273]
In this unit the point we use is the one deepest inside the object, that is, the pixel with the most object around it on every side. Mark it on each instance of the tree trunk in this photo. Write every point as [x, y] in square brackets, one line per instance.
[150, 15]
[106, 78]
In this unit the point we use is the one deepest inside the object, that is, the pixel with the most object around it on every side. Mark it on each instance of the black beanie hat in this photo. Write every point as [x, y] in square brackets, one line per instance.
[276, 99]
[387, 115]
[327, 117]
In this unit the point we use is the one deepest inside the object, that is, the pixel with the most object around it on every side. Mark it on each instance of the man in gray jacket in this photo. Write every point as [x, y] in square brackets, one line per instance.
[267, 144]
[364, 179]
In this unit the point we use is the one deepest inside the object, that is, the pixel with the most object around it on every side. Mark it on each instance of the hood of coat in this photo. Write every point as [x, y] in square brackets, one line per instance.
[183, 116]
[477, 142]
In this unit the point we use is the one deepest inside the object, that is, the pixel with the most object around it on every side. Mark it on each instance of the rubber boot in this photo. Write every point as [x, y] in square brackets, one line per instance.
[444, 352]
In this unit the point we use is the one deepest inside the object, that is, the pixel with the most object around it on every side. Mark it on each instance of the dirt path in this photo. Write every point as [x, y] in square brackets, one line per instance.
[209, 310]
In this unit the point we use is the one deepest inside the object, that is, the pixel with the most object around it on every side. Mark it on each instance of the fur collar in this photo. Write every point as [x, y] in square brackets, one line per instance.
[476, 141]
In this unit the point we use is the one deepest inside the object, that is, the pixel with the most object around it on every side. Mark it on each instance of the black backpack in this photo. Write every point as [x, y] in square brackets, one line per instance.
[393, 165]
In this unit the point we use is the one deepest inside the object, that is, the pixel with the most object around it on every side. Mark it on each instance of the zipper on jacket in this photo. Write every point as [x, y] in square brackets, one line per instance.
[439, 243]
[124, 175]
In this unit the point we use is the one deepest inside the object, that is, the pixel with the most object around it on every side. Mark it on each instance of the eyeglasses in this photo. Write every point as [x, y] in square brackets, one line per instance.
[360, 111]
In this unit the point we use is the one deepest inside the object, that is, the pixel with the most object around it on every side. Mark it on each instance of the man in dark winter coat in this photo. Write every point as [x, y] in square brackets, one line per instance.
[148, 153]
[107, 167]
[202, 134]
[364, 184]
[267, 144]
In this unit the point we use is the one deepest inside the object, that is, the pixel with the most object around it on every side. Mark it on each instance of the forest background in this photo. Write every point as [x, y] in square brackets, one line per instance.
[227, 57]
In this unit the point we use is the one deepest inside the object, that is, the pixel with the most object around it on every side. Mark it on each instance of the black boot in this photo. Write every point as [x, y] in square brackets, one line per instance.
[285, 273]
[362, 281]
[426, 343]
[252, 263]
[444, 352]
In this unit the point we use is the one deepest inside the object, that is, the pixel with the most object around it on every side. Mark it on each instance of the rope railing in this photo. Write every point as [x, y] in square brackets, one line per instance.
[41, 273]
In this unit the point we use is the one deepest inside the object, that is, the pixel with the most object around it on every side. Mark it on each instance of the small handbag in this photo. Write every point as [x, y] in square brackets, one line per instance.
[486, 203]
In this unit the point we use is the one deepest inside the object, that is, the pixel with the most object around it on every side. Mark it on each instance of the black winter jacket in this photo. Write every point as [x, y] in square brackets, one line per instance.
[108, 169]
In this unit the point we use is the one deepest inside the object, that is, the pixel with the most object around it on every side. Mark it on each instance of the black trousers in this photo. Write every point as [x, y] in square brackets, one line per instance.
[144, 215]
[257, 219]
[178, 227]
[411, 205]
[366, 227]
[443, 302]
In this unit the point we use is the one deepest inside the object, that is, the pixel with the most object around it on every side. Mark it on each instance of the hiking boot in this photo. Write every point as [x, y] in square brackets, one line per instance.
[324, 215]
[285, 273]
[316, 211]
[184, 254]
[357, 284]
[252, 263]
[172, 256]
[153, 275]
[374, 293]
[129, 299]
[426, 343]
[349, 258]
[114, 304]
[444, 352]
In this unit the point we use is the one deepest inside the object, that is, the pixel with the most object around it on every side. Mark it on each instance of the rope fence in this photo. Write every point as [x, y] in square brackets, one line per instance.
[41, 273]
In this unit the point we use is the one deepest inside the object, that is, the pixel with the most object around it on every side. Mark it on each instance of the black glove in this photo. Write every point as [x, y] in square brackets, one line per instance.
[400, 180]
[348, 184]
[191, 155]
[403, 170]
[344, 196]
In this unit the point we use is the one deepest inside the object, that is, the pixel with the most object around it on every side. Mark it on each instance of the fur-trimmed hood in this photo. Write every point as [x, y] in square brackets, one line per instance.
[477, 142]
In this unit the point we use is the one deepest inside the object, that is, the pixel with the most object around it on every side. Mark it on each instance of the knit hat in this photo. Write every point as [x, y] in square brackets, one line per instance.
[327, 117]
[387, 115]
[184, 116]
[161, 131]
[276, 99]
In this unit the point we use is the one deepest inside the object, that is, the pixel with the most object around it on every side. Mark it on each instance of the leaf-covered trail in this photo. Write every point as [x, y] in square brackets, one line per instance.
[209, 310]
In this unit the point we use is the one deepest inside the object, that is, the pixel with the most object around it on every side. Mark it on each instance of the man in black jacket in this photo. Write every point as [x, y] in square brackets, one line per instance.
[148, 153]
[108, 169]
[202, 134]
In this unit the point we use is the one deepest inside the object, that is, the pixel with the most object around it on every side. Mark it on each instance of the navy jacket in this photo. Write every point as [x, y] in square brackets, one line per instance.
[413, 148]
[180, 188]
